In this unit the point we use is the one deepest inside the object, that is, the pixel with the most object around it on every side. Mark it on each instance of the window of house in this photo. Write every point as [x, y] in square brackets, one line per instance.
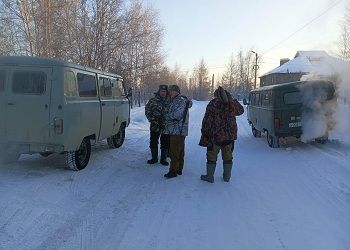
[86, 85]
[29, 82]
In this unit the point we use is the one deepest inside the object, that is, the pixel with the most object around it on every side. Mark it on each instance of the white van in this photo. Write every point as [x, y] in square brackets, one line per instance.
[50, 106]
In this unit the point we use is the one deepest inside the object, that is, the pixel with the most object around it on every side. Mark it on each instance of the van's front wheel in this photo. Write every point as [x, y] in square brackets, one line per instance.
[117, 140]
[78, 160]
[272, 141]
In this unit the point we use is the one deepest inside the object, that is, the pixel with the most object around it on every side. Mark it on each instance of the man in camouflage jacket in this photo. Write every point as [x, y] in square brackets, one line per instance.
[155, 111]
[176, 126]
[219, 131]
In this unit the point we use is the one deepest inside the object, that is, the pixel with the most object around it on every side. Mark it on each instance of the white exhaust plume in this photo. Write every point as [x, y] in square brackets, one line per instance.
[320, 115]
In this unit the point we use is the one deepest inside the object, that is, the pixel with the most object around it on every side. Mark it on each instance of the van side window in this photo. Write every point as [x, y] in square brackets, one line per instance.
[29, 82]
[292, 98]
[70, 84]
[266, 99]
[115, 88]
[105, 87]
[87, 85]
[257, 99]
[118, 88]
[2, 80]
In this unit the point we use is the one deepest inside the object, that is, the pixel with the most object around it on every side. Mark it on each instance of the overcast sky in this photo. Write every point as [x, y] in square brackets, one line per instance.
[214, 29]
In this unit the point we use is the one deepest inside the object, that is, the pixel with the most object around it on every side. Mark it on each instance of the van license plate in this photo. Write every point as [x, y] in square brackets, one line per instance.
[294, 124]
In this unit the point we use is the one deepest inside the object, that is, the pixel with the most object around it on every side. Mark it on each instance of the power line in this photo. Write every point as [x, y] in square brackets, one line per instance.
[304, 26]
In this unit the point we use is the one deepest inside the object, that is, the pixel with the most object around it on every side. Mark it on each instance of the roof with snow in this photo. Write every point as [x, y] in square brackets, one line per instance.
[315, 61]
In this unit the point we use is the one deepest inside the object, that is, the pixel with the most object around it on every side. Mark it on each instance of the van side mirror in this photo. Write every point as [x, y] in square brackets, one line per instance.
[245, 102]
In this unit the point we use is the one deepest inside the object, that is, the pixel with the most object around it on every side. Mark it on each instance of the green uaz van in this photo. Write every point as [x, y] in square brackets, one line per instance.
[277, 109]
[50, 106]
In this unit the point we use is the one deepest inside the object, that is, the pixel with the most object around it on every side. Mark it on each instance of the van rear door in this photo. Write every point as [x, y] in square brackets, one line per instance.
[3, 77]
[292, 111]
[28, 105]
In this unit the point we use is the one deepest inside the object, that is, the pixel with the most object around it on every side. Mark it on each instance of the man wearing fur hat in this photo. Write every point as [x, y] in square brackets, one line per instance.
[176, 126]
[155, 111]
[219, 131]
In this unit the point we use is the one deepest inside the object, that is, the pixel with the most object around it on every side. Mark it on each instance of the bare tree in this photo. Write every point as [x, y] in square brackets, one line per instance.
[229, 80]
[344, 42]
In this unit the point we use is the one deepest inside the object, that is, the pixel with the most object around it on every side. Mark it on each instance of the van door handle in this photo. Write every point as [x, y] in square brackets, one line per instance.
[11, 104]
[103, 104]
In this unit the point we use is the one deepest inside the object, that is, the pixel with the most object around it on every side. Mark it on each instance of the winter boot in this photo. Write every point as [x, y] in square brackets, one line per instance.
[163, 153]
[209, 177]
[154, 159]
[227, 171]
[170, 174]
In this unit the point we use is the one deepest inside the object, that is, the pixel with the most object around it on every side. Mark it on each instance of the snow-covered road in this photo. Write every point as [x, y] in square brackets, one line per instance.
[294, 197]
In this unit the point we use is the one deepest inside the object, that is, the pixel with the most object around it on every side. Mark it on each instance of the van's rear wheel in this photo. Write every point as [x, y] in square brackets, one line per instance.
[78, 160]
[117, 140]
[256, 133]
[272, 141]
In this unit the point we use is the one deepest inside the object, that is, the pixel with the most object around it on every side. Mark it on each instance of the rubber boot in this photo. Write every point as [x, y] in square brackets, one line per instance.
[209, 177]
[227, 171]
[163, 154]
[154, 159]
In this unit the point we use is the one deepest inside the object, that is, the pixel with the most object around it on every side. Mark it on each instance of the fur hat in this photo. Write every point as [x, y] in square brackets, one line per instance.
[221, 94]
[175, 88]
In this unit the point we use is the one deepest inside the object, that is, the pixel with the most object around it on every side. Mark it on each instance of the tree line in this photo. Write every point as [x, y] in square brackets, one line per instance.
[120, 36]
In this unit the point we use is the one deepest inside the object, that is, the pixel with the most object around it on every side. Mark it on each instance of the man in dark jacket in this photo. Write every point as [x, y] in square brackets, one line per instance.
[155, 111]
[176, 126]
[219, 131]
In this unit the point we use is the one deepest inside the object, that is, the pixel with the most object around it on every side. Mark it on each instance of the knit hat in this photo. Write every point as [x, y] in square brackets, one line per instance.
[174, 88]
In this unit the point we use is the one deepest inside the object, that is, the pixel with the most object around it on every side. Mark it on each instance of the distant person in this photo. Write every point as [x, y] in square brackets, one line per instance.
[176, 126]
[219, 132]
[155, 111]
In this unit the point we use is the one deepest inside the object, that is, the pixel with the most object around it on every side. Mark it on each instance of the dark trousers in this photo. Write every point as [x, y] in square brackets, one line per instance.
[154, 141]
[177, 152]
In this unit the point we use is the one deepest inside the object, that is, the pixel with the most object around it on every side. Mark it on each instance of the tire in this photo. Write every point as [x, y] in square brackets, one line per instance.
[272, 141]
[117, 140]
[78, 160]
[256, 133]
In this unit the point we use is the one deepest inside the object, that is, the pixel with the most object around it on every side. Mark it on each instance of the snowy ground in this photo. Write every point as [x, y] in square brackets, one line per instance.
[294, 197]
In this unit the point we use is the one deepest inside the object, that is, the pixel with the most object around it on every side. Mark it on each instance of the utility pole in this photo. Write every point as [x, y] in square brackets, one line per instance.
[255, 67]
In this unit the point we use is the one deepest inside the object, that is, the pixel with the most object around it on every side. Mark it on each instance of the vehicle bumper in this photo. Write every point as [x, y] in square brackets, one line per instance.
[30, 148]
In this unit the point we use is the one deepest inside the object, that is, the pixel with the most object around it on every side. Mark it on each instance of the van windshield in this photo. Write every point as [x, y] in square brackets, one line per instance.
[292, 98]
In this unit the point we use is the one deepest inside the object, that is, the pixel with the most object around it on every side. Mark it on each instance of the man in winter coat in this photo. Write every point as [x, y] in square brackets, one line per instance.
[155, 111]
[176, 126]
[219, 131]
